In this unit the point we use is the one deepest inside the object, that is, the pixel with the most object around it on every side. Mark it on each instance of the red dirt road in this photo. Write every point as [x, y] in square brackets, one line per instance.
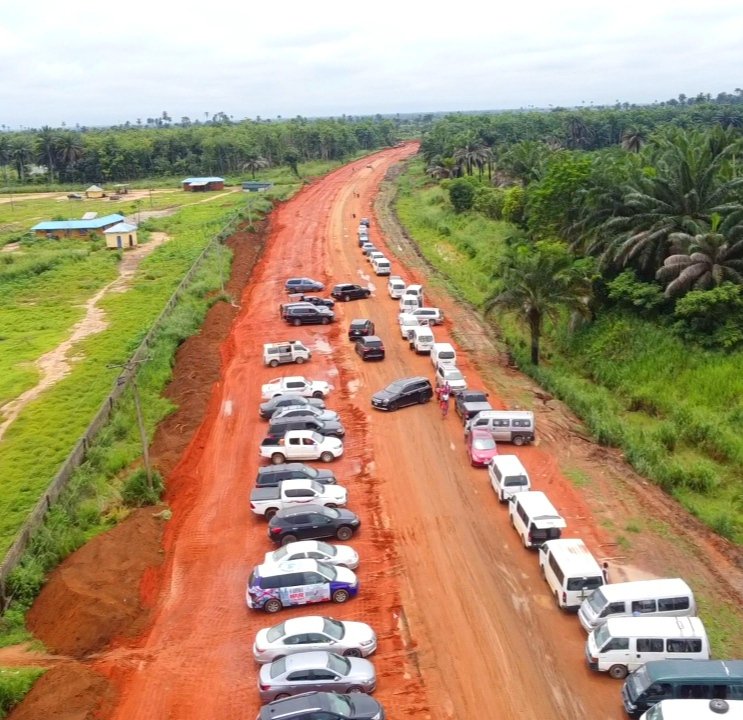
[466, 626]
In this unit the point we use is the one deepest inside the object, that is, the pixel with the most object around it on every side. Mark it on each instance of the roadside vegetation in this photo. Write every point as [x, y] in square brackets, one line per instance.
[14, 684]
[637, 215]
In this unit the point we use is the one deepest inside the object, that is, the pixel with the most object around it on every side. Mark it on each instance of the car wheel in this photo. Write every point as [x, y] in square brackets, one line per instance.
[317, 394]
[354, 689]
[346, 298]
[423, 398]
[392, 406]
[273, 605]
[340, 596]
[270, 513]
[618, 672]
[332, 506]
[344, 533]
[352, 652]
[525, 540]
[519, 440]
[278, 458]
[274, 363]
[327, 456]
[281, 696]
[300, 360]
[297, 322]
[288, 539]
[325, 320]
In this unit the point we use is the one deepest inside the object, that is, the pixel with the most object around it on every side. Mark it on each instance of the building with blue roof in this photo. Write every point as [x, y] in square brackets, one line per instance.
[203, 184]
[75, 228]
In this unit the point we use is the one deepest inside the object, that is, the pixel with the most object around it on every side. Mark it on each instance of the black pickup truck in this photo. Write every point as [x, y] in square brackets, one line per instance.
[470, 402]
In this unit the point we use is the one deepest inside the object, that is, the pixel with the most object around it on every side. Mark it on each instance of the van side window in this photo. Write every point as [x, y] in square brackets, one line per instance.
[684, 645]
[557, 570]
[500, 423]
[616, 608]
[521, 423]
[734, 692]
[616, 644]
[650, 645]
[659, 691]
[522, 514]
[271, 583]
[678, 603]
[694, 692]
[643, 606]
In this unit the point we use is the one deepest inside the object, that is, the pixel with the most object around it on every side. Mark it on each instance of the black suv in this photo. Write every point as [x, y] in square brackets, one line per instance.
[268, 408]
[360, 328]
[325, 706]
[468, 403]
[308, 315]
[312, 522]
[349, 291]
[370, 348]
[272, 475]
[406, 391]
[278, 427]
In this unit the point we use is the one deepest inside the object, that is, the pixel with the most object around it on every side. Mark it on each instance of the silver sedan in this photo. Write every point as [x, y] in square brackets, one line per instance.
[314, 632]
[315, 550]
[315, 671]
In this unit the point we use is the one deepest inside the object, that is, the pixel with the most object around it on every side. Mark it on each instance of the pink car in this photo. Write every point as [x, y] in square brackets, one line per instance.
[480, 447]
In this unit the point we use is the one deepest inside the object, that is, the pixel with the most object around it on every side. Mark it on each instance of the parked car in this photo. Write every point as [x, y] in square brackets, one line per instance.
[317, 670]
[408, 323]
[307, 314]
[303, 285]
[432, 314]
[451, 375]
[516, 426]
[468, 403]
[481, 448]
[267, 501]
[370, 348]
[350, 291]
[301, 445]
[375, 255]
[297, 385]
[406, 391]
[315, 550]
[327, 706]
[279, 426]
[272, 475]
[368, 247]
[395, 287]
[365, 221]
[313, 299]
[314, 632]
[288, 399]
[272, 587]
[312, 522]
[289, 411]
[284, 308]
[290, 351]
[360, 328]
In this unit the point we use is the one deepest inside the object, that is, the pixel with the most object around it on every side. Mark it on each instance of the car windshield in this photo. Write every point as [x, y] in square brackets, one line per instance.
[310, 472]
[276, 632]
[596, 601]
[483, 443]
[327, 549]
[339, 704]
[280, 554]
[334, 628]
[331, 513]
[454, 375]
[373, 343]
[395, 387]
[339, 664]
[278, 668]
[327, 570]
[317, 438]
[476, 397]
[638, 681]
[516, 480]
[601, 636]
[316, 487]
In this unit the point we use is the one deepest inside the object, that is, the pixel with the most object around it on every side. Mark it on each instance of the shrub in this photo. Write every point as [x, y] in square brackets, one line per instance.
[137, 492]
[489, 201]
[461, 194]
[713, 318]
[628, 291]
[14, 684]
[514, 203]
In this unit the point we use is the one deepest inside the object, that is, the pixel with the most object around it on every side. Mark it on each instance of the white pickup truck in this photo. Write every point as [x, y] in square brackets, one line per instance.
[296, 385]
[301, 445]
[267, 501]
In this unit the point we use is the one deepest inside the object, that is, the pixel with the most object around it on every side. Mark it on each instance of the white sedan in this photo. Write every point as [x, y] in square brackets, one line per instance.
[296, 385]
[315, 550]
[452, 376]
[314, 632]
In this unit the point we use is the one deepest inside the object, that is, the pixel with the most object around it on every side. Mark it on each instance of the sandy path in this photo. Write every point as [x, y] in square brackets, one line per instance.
[56, 364]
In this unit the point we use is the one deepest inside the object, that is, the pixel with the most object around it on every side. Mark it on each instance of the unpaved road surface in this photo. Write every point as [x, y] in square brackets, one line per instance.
[465, 622]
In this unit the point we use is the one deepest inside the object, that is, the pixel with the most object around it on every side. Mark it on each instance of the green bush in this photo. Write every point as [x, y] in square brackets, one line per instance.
[461, 195]
[14, 685]
[138, 491]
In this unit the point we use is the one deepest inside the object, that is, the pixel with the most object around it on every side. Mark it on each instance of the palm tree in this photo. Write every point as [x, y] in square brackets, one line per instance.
[539, 280]
[48, 141]
[70, 150]
[470, 155]
[21, 154]
[254, 162]
[526, 161]
[633, 139]
[441, 168]
[711, 258]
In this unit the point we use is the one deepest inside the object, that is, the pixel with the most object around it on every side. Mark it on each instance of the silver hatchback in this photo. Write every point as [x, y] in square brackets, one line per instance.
[315, 671]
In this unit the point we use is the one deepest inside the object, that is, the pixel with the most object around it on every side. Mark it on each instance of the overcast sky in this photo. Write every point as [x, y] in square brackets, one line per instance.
[105, 62]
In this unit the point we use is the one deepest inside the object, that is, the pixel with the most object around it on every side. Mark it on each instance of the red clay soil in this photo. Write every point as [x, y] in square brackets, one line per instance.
[464, 619]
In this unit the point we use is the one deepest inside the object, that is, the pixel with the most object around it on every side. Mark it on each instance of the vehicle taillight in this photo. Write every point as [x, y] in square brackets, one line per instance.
[564, 597]
[252, 506]
[275, 531]
[265, 687]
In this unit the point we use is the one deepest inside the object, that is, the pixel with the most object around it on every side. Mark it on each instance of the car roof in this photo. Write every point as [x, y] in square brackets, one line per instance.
[290, 566]
[360, 321]
[369, 339]
[292, 706]
[481, 433]
[301, 545]
[306, 660]
[307, 623]
[288, 512]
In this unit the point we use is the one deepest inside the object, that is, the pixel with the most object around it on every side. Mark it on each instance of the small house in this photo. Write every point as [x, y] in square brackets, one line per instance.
[94, 192]
[121, 236]
[75, 228]
[203, 184]
[254, 186]
[121, 189]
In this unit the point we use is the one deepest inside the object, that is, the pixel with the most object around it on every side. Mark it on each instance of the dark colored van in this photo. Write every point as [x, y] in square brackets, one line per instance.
[681, 679]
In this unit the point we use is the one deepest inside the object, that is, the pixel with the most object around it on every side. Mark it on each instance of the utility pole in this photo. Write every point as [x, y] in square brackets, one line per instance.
[131, 365]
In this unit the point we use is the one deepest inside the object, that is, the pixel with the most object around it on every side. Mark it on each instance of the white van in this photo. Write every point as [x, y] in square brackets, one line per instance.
[570, 570]
[443, 354]
[622, 645]
[407, 324]
[663, 597]
[375, 255]
[382, 266]
[534, 518]
[715, 709]
[508, 476]
[415, 291]
[395, 287]
[291, 351]
[516, 426]
[421, 339]
[408, 303]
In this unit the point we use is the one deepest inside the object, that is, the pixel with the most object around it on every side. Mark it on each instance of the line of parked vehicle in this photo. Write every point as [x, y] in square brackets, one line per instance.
[312, 667]
[647, 628]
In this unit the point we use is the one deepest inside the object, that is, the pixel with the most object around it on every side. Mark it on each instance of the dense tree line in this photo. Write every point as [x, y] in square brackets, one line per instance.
[646, 204]
[217, 148]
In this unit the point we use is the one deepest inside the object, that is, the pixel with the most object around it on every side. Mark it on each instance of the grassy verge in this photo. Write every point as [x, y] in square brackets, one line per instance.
[14, 684]
[672, 408]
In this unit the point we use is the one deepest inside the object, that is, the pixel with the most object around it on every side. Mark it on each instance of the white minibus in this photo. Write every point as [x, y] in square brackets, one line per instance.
[534, 518]
[570, 570]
